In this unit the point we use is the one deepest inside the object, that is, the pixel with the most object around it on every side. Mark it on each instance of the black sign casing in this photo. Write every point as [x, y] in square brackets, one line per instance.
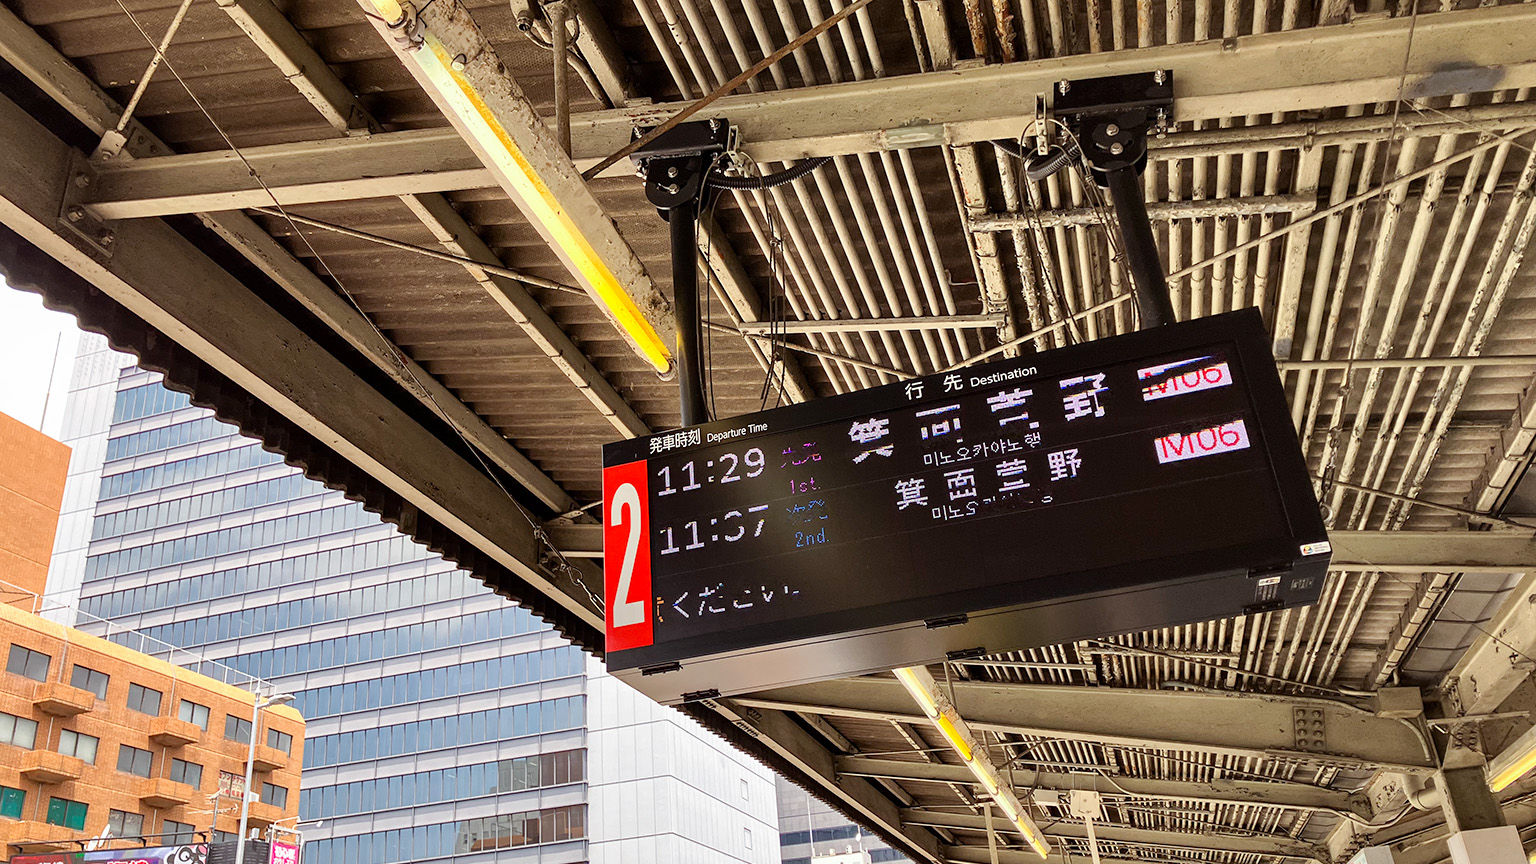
[1140, 481]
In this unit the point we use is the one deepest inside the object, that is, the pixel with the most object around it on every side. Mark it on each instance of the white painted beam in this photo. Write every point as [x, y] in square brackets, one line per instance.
[1224, 791]
[1229, 723]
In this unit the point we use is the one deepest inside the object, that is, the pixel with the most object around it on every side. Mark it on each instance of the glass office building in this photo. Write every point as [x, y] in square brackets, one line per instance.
[443, 722]
[810, 832]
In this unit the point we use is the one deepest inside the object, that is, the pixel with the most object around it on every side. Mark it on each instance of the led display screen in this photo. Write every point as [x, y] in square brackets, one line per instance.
[1156, 456]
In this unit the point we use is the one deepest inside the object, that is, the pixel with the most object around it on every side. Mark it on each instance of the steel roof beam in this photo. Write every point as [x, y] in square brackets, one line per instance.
[161, 277]
[1224, 723]
[981, 855]
[418, 161]
[1231, 792]
[1498, 551]
[1463, 51]
[1107, 832]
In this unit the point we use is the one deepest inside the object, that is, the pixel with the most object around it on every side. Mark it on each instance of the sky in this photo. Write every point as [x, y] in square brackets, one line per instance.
[29, 337]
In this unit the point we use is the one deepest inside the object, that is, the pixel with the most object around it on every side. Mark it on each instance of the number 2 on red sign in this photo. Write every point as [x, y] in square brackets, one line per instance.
[626, 557]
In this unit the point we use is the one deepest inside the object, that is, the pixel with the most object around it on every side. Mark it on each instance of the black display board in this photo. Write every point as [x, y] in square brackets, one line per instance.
[1103, 469]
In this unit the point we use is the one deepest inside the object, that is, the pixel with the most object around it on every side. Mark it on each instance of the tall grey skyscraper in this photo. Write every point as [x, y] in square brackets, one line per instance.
[443, 722]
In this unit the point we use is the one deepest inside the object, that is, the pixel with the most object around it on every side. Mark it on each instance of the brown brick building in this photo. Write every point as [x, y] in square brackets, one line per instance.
[32, 470]
[94, 736]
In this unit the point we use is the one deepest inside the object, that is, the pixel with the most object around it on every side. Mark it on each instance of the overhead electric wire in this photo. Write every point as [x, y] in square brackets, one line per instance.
[426, 251]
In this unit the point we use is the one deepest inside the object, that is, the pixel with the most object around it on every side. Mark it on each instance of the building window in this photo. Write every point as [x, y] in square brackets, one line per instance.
[189, 773]
[82, 747]
[280, 741]
[744, 789]
[89, 679]
[174, 833]
[231, 784]
[25, 661]
[277, 796]
[18, 731]
[122, 824]
[132, 760]
[144, 700]
[747, 836]
[11, 802]
[70, 814]
[194, 713]
[236, 729]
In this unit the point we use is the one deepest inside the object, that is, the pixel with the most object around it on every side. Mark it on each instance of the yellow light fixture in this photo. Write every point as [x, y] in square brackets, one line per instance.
[444, 69]
[956, 740]
[1033, 836]
[952, 726]
[907, 675]
[1514, 762]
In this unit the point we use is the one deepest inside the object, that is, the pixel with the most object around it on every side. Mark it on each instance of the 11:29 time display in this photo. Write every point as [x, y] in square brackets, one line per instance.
[753, 460]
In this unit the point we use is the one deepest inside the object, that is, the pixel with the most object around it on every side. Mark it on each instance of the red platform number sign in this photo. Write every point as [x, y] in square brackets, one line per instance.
[626, 556]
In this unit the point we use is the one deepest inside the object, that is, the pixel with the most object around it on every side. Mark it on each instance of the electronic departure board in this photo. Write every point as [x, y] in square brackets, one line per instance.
[1140, 481]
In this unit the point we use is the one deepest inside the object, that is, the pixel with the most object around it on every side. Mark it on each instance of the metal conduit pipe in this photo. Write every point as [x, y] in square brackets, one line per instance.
[1384, 232]
[1247, 179]
[1012, 203]
[834, 266]
[1220, 273]
[903, 266]
[1447, 393]
[1339, 191]
[664, 48]
[1513, 258]
[928, 302]
[1175, 245]
[733, 39]
[1340, 277]
[1064, 275]
[955, 342]
[1483, 198]
[684, 42]
[1431, 315]
[559, 39]
[860, 213]
[1198, 176]
[705, 40]
[1385, 444]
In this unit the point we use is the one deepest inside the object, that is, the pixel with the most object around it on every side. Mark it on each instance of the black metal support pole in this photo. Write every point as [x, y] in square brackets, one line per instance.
[683, 221]
[1141, 254]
